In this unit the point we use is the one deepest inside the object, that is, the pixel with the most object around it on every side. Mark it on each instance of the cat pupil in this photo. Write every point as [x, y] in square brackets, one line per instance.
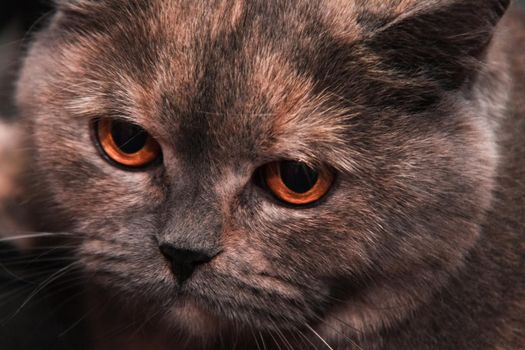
[297, 176]
[128, 137]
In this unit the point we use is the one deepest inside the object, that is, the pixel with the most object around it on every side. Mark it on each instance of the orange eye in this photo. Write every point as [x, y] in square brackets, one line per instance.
[126, 143]
[297, 183]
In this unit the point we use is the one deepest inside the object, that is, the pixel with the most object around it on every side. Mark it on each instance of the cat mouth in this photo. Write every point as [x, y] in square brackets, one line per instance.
[244, 303]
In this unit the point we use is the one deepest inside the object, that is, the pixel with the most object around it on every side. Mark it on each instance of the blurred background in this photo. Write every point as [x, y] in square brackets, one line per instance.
[17, 19]
[31, 317]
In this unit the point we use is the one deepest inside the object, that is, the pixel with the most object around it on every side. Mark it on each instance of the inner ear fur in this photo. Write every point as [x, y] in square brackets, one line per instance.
[444, 41]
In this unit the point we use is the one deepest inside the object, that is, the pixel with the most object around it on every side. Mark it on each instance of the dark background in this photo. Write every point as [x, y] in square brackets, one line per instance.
[26, 10]
[44, 322]
[18, 19]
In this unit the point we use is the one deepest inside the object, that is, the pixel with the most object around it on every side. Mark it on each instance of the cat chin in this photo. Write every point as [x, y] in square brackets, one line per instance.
[193, 320]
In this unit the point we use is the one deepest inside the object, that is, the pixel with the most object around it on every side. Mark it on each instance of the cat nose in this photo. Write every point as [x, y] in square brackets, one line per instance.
[185, 261]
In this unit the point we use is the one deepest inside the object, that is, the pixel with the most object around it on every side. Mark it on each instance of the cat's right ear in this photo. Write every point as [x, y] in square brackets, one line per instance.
[444, 41]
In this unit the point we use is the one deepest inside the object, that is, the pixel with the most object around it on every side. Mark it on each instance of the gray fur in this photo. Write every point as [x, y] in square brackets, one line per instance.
[419, 245]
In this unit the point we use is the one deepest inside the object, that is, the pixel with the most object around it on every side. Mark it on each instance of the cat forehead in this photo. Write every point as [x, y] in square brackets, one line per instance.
[259, 68]
[217, 67]
[269, 109]
[213, 15]
[178, 35]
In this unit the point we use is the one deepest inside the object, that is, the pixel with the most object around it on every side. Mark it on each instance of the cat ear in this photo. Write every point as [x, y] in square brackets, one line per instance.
[440, 40]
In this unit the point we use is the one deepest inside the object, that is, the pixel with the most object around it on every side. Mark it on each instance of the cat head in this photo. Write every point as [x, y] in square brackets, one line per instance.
[240, 104]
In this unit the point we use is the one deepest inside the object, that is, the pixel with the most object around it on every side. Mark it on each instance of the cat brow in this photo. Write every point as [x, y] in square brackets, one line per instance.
[315, 153]
[317, 142]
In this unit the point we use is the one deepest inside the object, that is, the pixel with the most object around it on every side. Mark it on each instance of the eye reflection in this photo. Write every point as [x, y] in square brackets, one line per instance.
[297, 183]
[126, 144]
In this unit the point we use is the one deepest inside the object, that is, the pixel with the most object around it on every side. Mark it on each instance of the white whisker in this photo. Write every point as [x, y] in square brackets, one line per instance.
[318, 336]
[301, 334]
[273, 338]
[34, 235]
[340, 332]
[255, 339]
[262, 340]
[44, 284]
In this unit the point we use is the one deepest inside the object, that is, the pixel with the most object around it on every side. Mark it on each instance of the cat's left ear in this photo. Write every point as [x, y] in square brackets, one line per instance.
[440, 40]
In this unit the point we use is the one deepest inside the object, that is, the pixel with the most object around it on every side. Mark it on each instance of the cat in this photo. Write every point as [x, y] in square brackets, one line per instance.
[273, 174]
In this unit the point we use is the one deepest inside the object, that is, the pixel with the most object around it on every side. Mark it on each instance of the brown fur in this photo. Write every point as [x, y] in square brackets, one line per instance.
[417, 246]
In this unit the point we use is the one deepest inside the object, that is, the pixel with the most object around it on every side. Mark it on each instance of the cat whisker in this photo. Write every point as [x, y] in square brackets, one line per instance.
[44, 284]
[37, 271]
[69, 299]
[255, 338]
[32, 264]
[352, 341]
[33, 235]
[145, 322]
[54, 249]
[293, 338]
[304, 337]
[75, 324]
[27, 281]
[319, 336]
[66, 284]
[28, 261]
[283, 338]
[11, 273]
[16, 292]
[262, 340]
[6, 247]
[270, 332]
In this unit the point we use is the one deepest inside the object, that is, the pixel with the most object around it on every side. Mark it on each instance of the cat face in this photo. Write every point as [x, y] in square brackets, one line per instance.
[356, 89]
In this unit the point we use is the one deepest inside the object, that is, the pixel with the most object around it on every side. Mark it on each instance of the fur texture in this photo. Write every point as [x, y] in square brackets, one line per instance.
[418, 105]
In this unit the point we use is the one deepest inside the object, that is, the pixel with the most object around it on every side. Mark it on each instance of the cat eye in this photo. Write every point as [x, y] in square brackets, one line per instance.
[126, 144]
[297, 183]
